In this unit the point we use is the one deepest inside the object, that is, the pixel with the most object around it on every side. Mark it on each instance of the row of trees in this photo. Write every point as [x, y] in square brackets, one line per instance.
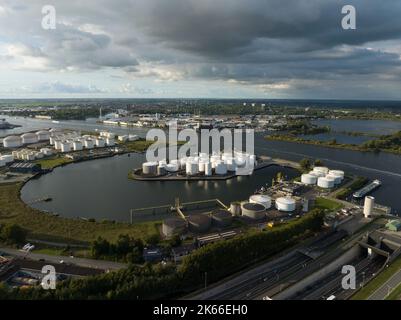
[306, 164]
[218, 260]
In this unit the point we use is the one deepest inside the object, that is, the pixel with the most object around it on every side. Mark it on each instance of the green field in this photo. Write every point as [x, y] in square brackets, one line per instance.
[327, 204]
[55, 161]
[43, 226]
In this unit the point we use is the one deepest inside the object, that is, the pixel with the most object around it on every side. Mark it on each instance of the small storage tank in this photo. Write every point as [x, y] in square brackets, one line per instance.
[46, 151]
[308, 179]
[231, 165]
[264, 200]
[77, 145]
[110, 142]
[199, 222]
[65, 146]
[339, 173]
[7, 158]
[192, 167]
[317, 174]
[149, 168]
[28, 138]
[89, 144]
[221, 168]
[254, 211]
[161, 170]
[201, 166]
[337, 179]
[326, 183]
[173, 226]
[286, 204]
[324, 170]
[12, 142]
[43, 135]
[171, 167]
[221, 218]
[235, 208]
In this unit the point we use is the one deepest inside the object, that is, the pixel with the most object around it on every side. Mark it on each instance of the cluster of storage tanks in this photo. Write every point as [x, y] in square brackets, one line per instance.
[30, 155]
[197, 223]
[6, 159]
[219, 164]
[73, 141]
[26, 138]
[323, 177]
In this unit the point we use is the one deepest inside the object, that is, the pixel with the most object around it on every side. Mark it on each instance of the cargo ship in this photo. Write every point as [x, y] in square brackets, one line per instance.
[367, 189]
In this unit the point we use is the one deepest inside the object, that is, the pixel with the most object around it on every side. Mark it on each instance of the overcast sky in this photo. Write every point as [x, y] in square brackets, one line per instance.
[201, 48]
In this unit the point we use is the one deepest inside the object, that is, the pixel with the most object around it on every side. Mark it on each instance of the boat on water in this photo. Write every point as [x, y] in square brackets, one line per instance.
[367, 189]
[55, 121]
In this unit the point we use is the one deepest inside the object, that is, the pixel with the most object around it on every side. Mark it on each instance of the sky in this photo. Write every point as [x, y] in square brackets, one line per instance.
[265, 49]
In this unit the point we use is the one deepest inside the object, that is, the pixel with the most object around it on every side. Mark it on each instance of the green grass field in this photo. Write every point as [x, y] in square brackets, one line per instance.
[50, 163]
[43, 226]
[327, 204]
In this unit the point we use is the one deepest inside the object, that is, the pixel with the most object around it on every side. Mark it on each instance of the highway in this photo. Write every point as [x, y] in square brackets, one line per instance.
[89, 263]
[382, 292]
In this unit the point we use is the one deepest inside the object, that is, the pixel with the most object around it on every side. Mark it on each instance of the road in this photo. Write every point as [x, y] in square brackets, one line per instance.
[390, 284]
[89, 263]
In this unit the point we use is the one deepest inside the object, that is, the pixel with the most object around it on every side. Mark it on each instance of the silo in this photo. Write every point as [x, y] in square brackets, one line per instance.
[43, 135]
[199, 222]
[29, 138]
[286, 204]
[264, 200]
[173, 226]
[149, 168]
[221, 168]
[89, 144]
[221, 218]
[12, 142]
[208, 169]
[235, 208]
[325, 183]
[368, 206]
[254, 211]
[308, 179]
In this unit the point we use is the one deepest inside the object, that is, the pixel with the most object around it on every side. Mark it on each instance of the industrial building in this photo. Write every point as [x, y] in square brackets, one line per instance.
[25, 167]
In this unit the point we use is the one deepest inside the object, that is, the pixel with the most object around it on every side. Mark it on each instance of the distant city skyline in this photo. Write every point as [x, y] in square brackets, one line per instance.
[258, 49]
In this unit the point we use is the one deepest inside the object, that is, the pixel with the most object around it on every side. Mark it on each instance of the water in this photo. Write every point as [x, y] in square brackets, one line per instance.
[101, 189]
[375, 127]
[340, 138]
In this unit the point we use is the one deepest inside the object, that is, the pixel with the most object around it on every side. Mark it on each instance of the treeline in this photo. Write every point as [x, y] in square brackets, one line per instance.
[218, 260]
[390, 143]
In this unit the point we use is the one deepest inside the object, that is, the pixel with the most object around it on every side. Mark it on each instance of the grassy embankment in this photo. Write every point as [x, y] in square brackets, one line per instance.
[378, 281]
[327, 204]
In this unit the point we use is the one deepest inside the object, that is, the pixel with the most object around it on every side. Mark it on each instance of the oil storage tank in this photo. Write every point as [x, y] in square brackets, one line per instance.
[221, 218]
[254, 211]
[43, 135]
[264, 200]
[235, 208]
[337, 179]
[12, 142]
[199, 223]
[286, 204]
[28, 138]
[149, 168]
[192, 167]
[308, 179]
[221, 168]
[325, 183]
[173, 226]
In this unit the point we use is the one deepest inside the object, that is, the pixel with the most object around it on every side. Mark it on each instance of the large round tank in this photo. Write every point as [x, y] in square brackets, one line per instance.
[89, 144]
[28, 138]
[230, 162]
[100, 143]
[337, 179]
[149, 168]
[339, 173]
[110, 142]
[173, 226]
[221, 218]
[199, 222]
[286, 204]
[192, 167]
[221, 168]
[161, 170]
[324, 170]
[12, 142]
[326, 183]
[77, 145]
[43, 135]
[317, 174]
[7, 158]
[235, 208]
[254, 211]
[65, 146]
[172, 167]
[309, 179]
[264, 200]
[208, 169]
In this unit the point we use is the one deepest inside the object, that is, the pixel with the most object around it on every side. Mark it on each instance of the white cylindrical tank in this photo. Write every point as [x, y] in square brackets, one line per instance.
[12, 142]
[171, 167]
[66, 146]
[110, 142]
[337, 179]
[339, 173]
[28, 138]
[46, 151]
[285, 204]
[43, 135]
[326, 183]
[317, 174]
[77, 145]
[201, 166]
[221, 168]
[149, 167]
[100, 143]
[308, 179]
[368, 206]
[208, 169]
[89, 144]
[264, 200]
[192, 167]
[324, 170]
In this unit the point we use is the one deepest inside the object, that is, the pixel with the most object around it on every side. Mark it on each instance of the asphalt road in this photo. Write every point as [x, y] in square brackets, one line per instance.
[389, 285]
[90, 263]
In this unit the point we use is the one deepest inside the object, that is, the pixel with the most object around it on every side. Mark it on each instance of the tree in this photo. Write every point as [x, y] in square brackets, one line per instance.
[318, 163]
[13, 234]
[100, 247]
[305, 164]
